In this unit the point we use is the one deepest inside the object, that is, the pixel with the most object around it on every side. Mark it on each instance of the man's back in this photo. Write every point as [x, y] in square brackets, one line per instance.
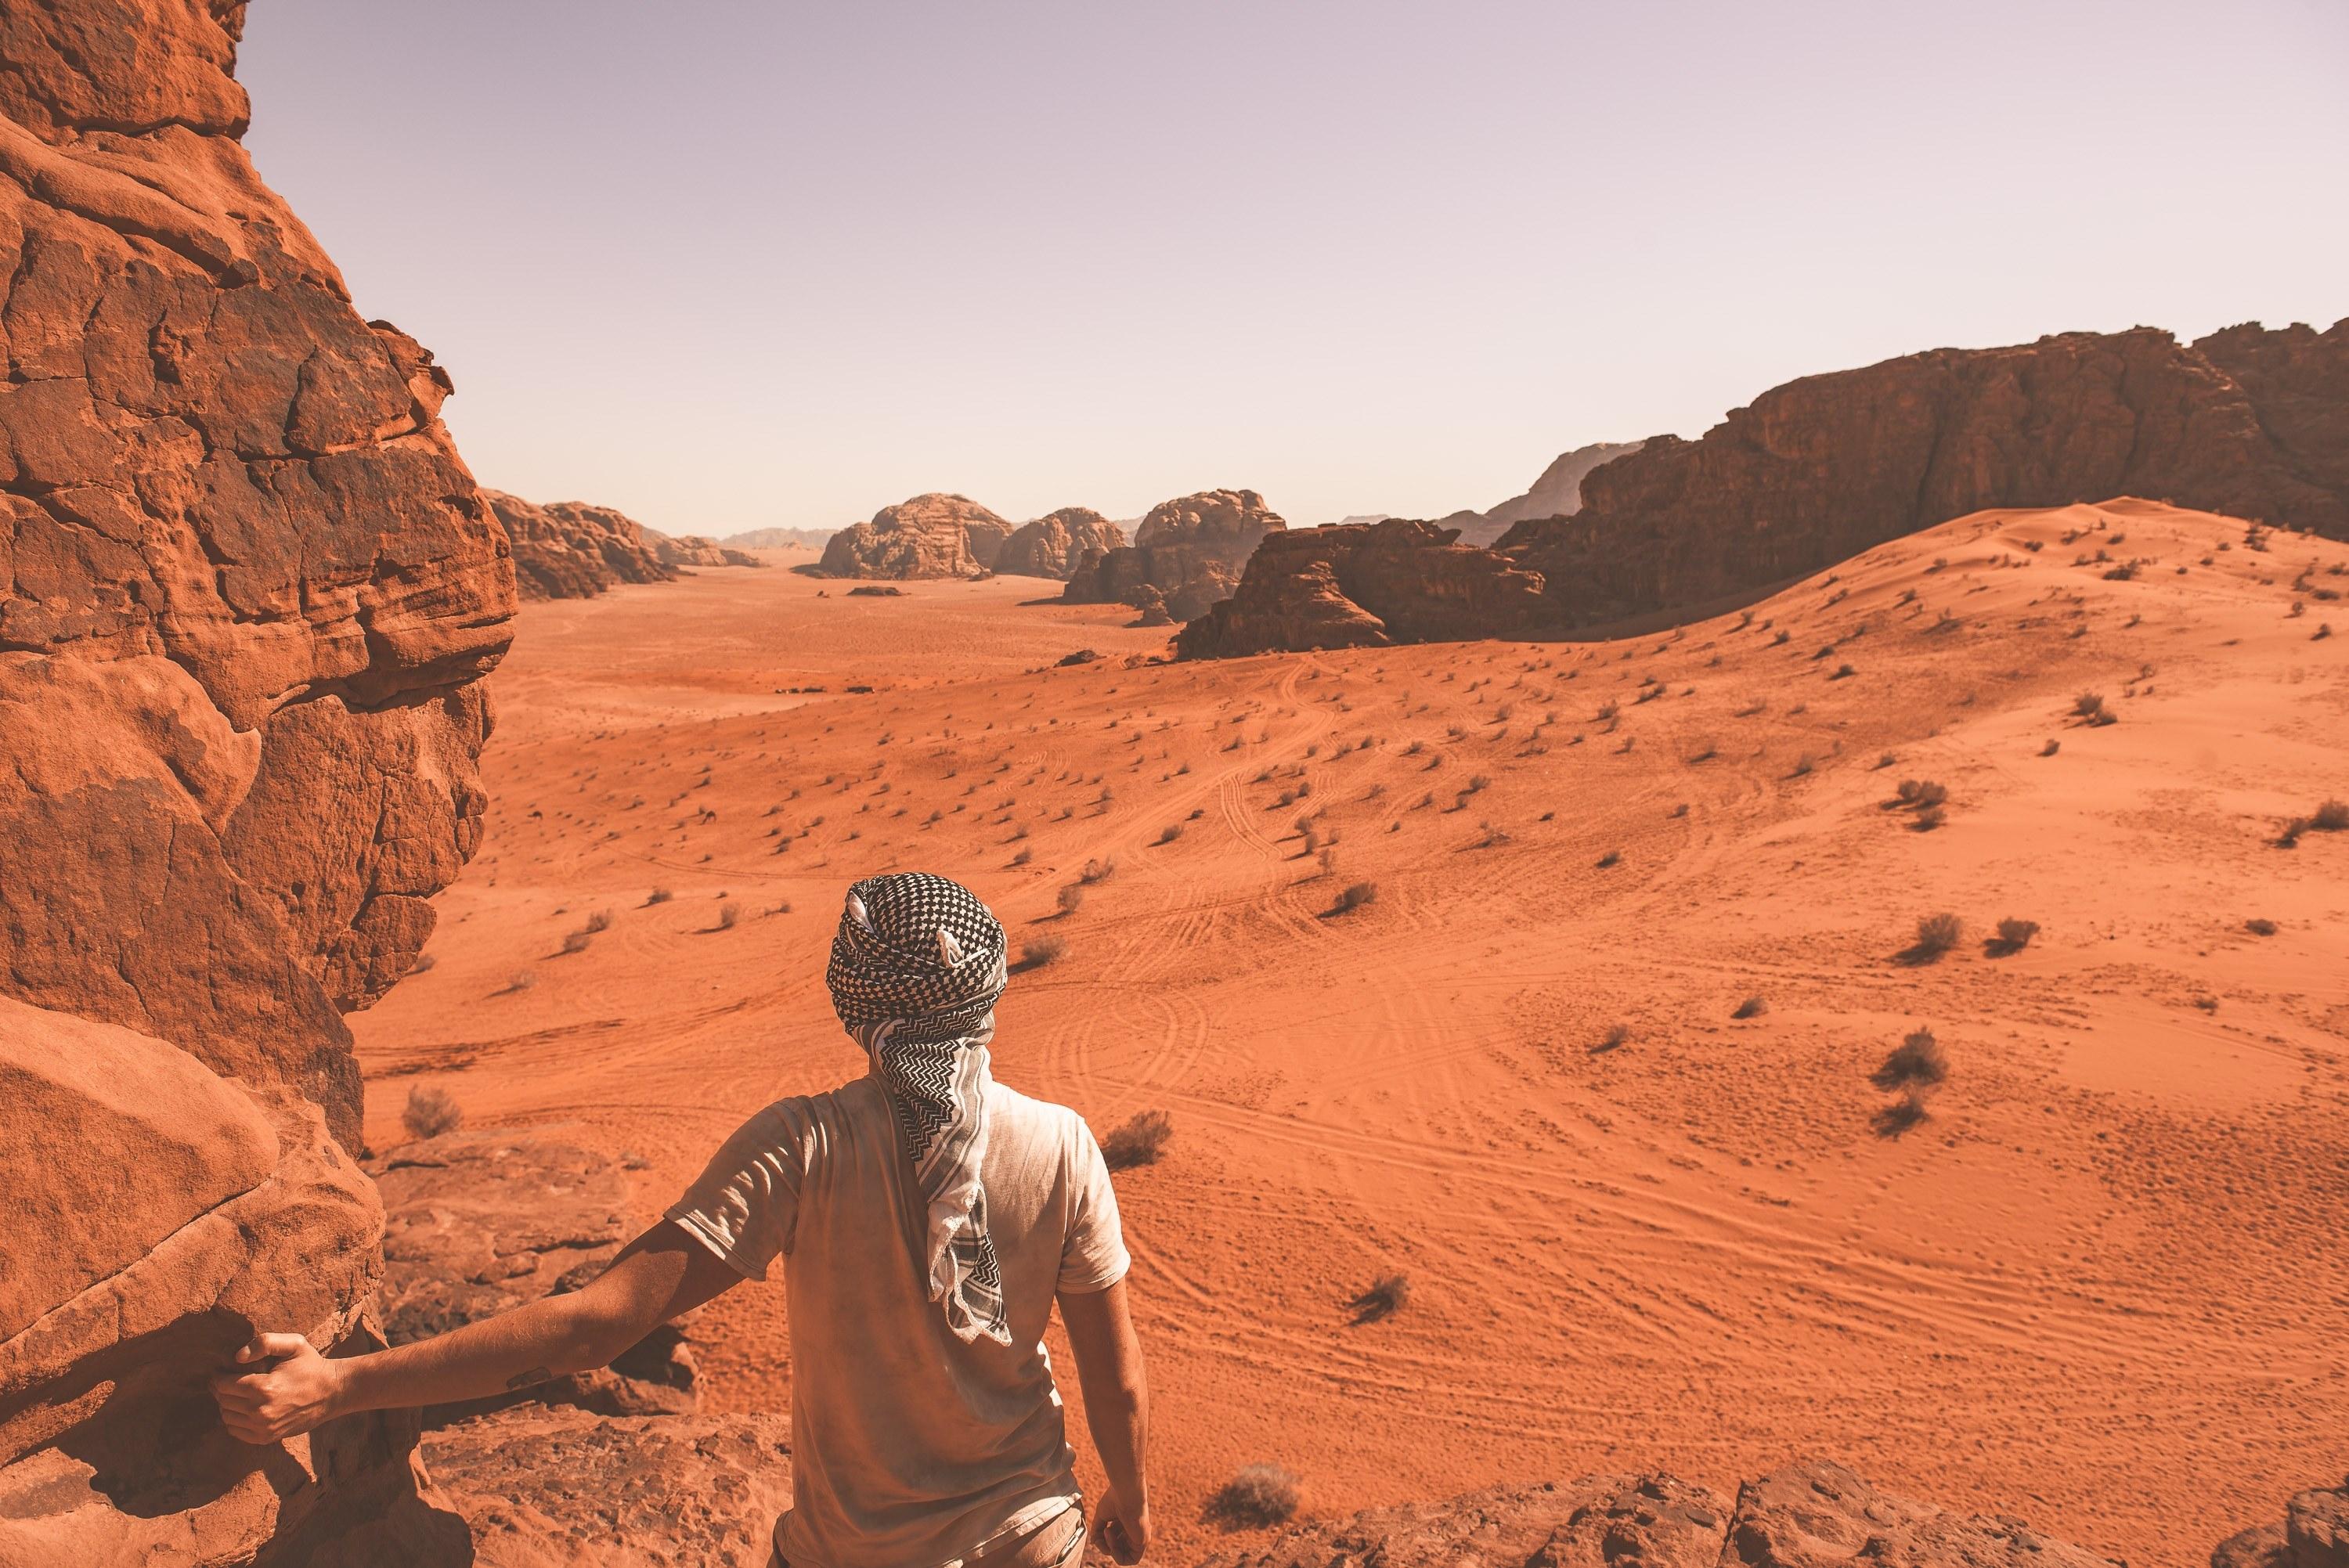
[912, 1445]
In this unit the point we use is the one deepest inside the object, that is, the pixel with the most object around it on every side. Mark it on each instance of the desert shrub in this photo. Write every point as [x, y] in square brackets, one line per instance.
[1072, 899]
[1616, 1034]
[1170, 832]
[2260, 927]
[2015, 935]
[577, 941]
[1930, 818]
[431, 1112]
[1258, 1497]
[1901, 1115]
[1907, 792]
[1042, 951]
[1139, 1141]
[1937, 934]
[2331, 817]
[1918, 1060]
[424, 961]
[1752, 1007]
[2052, 747]
[1611, 857]
[1098, 870]
[523, 979]
[1356, 895]
[1930, 794]
[730, 917]
[1843, 672]
[599, 921]
[1024, 856]
[659, 895]
[1387, 1295]
[1802, 766]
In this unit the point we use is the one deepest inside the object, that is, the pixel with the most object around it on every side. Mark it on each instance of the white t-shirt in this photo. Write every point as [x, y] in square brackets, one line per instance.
[910, 1448]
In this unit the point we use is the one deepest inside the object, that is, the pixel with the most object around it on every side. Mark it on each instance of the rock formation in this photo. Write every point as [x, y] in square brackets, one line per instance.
[780, 539]
[1054, 544]
[569, 550]
[2248, 422]
[1557, 494]
[2313, 1533]
[247, 590]
[684, 550]
[1809, 1515]
[932, 535]
[1367, 584]
[1188, 552]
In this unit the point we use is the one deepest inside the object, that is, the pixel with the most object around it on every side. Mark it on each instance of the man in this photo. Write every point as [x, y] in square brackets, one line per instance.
[928, 1218]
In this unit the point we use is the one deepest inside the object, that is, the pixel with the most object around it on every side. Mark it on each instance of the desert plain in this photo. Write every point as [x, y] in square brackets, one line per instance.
[1590, 1052]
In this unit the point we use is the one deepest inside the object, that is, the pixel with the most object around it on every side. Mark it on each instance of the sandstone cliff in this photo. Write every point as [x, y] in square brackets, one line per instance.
[780, 539]
[932, 535]
[2248, 422]
[684, 549]
[247, 592]
[569, 550]
[1187, 554]
[1557, 494]
[1054, 544]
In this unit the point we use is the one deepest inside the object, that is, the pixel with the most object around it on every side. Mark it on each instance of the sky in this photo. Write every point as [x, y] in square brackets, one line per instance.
[729, 264]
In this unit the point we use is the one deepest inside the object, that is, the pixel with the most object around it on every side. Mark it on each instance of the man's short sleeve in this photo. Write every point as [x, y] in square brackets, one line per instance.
[745, 1204]
[1093, 1255]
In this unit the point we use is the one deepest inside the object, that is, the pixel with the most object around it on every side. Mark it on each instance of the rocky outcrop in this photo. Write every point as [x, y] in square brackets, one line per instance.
[1054, 544]
[569, 550]
[477, 1223]
[933, 535]
[780, 538]
[1809, 1515]
[1188, 553]
[2247, 422]
[553, 1488]
[2313, 1533]
[247, 592]
[688, 549]
[1365, 585]
[1557, 494]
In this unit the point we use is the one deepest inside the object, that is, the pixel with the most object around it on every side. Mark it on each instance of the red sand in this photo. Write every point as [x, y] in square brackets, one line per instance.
[2103, 1285]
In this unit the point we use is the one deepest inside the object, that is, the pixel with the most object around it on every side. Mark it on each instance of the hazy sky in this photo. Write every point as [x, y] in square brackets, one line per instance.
[730, 263]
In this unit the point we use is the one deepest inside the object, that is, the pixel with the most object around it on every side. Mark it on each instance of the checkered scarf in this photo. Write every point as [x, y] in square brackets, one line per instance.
[914, 972]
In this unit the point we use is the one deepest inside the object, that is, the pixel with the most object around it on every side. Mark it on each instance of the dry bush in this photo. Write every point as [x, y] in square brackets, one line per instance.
[1170, 832]
[728, 917]
[1327, 860]
[1042, 951]
[1356, 895]
[1930, 818]
[431, 1112]
[1916, 1061]
[1900, 1116]
[659, 895]
[1752, 1007]
[2087, 705]
[1139, 1141]
[2015, 935]
[424, 961]
[1936, 934]
[1614, 1036]
[577, 941]
[2052, 747]
[1024, 856]
[523, 979]
[599, 921]
[2260, 927]
[1072, 899]
[1611, 857]
[1388, 1295]
[1257, 1498]
[2331, 817]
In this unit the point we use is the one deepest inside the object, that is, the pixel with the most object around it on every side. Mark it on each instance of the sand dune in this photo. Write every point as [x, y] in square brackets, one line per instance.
[2104, 1281]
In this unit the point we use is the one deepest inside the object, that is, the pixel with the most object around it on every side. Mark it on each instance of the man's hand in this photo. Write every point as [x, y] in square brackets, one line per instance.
[1120, 1529]
[290, 1389]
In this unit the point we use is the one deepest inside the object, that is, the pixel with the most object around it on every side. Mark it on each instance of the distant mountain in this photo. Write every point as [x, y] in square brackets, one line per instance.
[1557, 494]
[1362, 517]
[780, 539]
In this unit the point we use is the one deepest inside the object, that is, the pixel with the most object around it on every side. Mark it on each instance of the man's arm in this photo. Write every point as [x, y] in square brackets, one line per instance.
[661, 1273]
[1117, 1412]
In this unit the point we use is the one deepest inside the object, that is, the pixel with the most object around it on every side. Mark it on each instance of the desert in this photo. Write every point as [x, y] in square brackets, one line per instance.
[1774, 1000]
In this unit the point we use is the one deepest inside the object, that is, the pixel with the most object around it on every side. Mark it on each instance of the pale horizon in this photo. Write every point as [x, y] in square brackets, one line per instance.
[780, 268]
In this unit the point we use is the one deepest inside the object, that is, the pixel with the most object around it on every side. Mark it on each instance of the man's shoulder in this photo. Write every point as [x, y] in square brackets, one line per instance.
[796, 1117]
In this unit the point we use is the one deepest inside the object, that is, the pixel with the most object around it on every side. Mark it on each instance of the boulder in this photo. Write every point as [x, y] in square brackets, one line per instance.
[2313, 1533]
[1188, 553]
[1818, 1513]
[1054, 544]
[478, 1223]
[571, 549]
[932, 535]
[1365, 585]
[550, 1487]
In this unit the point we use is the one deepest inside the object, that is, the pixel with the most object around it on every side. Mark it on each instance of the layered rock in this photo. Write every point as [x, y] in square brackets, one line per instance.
[1054, 545]
[1809, 1515]
[1188, 555]
[247, 590]
[2312, 1534]
[479, 1223]
[684, 549]
[932, 535]
[2251, 423]
[1557, 494]
[780, 538]
[571, 549]
[1362, 585]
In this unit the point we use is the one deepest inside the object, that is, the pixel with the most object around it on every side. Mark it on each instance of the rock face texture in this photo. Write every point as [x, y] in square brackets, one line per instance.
[477, 1223]
[569, 550]
[2248, 422]
[693, 550]
[1364, 585]
[247, 592]
[780, 538]
[1810, 1515]
[1187, 554]
[1054, 544]
[1557, 494]
[933, 535]
[2314, 1533]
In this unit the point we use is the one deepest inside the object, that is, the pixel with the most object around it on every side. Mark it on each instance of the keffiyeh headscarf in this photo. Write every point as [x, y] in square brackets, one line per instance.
[914, 972]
